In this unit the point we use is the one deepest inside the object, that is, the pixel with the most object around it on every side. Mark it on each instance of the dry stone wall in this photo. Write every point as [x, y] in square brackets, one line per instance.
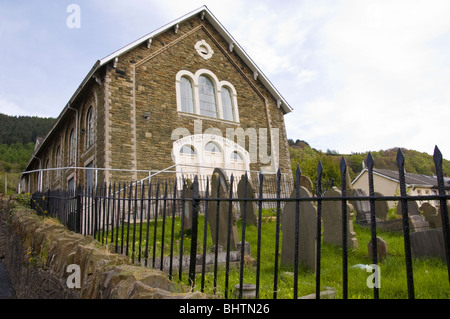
[40, 254]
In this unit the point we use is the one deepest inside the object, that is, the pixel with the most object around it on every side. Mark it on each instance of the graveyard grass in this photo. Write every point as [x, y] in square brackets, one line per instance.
[430, 275]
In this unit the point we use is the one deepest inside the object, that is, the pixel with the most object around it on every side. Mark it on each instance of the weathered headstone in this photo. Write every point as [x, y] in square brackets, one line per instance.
[307, 231]
[187, 217]
[382, 249]
[306, 182]
[224, 207]
[332, 220]
[413, 208]
[381, 207]
[362, 207]
[428, 243]
[431, 215]
[250, 206]
[418, 223]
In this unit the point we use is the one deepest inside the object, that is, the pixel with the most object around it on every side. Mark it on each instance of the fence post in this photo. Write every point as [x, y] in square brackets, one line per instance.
[373, 220]
[443, 203]
[408, 258]
[319, 225]
[78, 211]
[343, 167]
[195, 208]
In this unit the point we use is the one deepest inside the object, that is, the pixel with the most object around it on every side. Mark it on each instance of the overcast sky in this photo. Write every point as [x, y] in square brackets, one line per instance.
[360, 75]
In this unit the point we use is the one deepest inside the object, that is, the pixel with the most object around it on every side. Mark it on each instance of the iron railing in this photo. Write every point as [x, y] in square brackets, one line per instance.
[122, 215]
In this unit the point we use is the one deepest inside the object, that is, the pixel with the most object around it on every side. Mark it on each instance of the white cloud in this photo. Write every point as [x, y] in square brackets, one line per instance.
[360, 75]
[383, 65]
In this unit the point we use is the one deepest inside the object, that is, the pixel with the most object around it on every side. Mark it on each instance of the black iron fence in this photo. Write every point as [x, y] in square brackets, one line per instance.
[164, 224]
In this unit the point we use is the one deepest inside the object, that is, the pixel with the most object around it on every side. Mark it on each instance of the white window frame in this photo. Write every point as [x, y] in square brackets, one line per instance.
[218, 92]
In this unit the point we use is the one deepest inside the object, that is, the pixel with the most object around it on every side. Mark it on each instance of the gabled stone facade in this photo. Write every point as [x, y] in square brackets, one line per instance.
[137, 112]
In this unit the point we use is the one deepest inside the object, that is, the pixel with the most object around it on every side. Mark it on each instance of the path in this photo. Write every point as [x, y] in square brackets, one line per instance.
[6, 290]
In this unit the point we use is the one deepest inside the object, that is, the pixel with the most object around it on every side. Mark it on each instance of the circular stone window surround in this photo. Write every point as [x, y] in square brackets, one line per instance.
[204, 49]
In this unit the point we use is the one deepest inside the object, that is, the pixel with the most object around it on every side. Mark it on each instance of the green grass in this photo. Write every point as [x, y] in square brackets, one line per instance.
[430, 275]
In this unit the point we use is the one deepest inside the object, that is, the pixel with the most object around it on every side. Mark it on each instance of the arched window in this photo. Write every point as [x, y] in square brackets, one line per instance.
[58, 160]
[212, 147]
[47, 174]
[227, 105]
[90, 127]
[207, 97]
[187, 98]
[187, 150]
[72, 146]
[203, 94]
[235, 156]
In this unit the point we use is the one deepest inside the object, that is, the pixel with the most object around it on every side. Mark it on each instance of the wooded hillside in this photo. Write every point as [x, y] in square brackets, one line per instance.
[17, 137]
[307, 158]
[23, 129]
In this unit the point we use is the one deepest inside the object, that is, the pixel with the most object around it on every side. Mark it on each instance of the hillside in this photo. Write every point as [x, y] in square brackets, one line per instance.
[307, 157]
[23, 129]
[17, 137]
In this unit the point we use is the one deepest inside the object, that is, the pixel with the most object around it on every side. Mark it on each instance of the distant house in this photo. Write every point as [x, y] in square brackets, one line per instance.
[185, 97]
[387, 183]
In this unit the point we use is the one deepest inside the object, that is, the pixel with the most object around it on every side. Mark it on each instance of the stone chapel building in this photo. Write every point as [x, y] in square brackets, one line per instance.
[185, 98]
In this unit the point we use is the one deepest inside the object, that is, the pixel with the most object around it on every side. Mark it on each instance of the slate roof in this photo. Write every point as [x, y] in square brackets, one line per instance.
[410, 178]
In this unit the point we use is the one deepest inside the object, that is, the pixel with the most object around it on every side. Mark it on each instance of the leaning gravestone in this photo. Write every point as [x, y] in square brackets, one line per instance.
[249, 206]
[382, 249]
[418, 223]
[413, 208]
[332, 220]
[362, 207]
[307, 231]
[431, 215]
[224, 207]
[381, 207]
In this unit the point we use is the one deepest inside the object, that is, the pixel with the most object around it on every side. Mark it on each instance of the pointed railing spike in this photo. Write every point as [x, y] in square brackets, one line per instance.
[343, 165]
[298, 173]
[400, 158]
[437, 156]
[319, 168]
[370, 161]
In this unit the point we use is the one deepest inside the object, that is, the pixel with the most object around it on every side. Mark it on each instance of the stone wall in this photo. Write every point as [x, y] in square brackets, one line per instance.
[38, 251]
[143, 82]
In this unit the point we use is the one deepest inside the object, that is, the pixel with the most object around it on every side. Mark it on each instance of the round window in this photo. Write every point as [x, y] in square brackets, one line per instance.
[204, 49]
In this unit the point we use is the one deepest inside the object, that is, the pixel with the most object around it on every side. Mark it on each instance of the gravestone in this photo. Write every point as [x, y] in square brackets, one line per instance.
[413, 208]
[224, 206]
[362, 207]
[187, 217]
[431, 215]
[428, 243]
[382, 249]
[418, 223]
[332, 220]
[306, 182]
[307, 231]
[381, 207]
[250, 206]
